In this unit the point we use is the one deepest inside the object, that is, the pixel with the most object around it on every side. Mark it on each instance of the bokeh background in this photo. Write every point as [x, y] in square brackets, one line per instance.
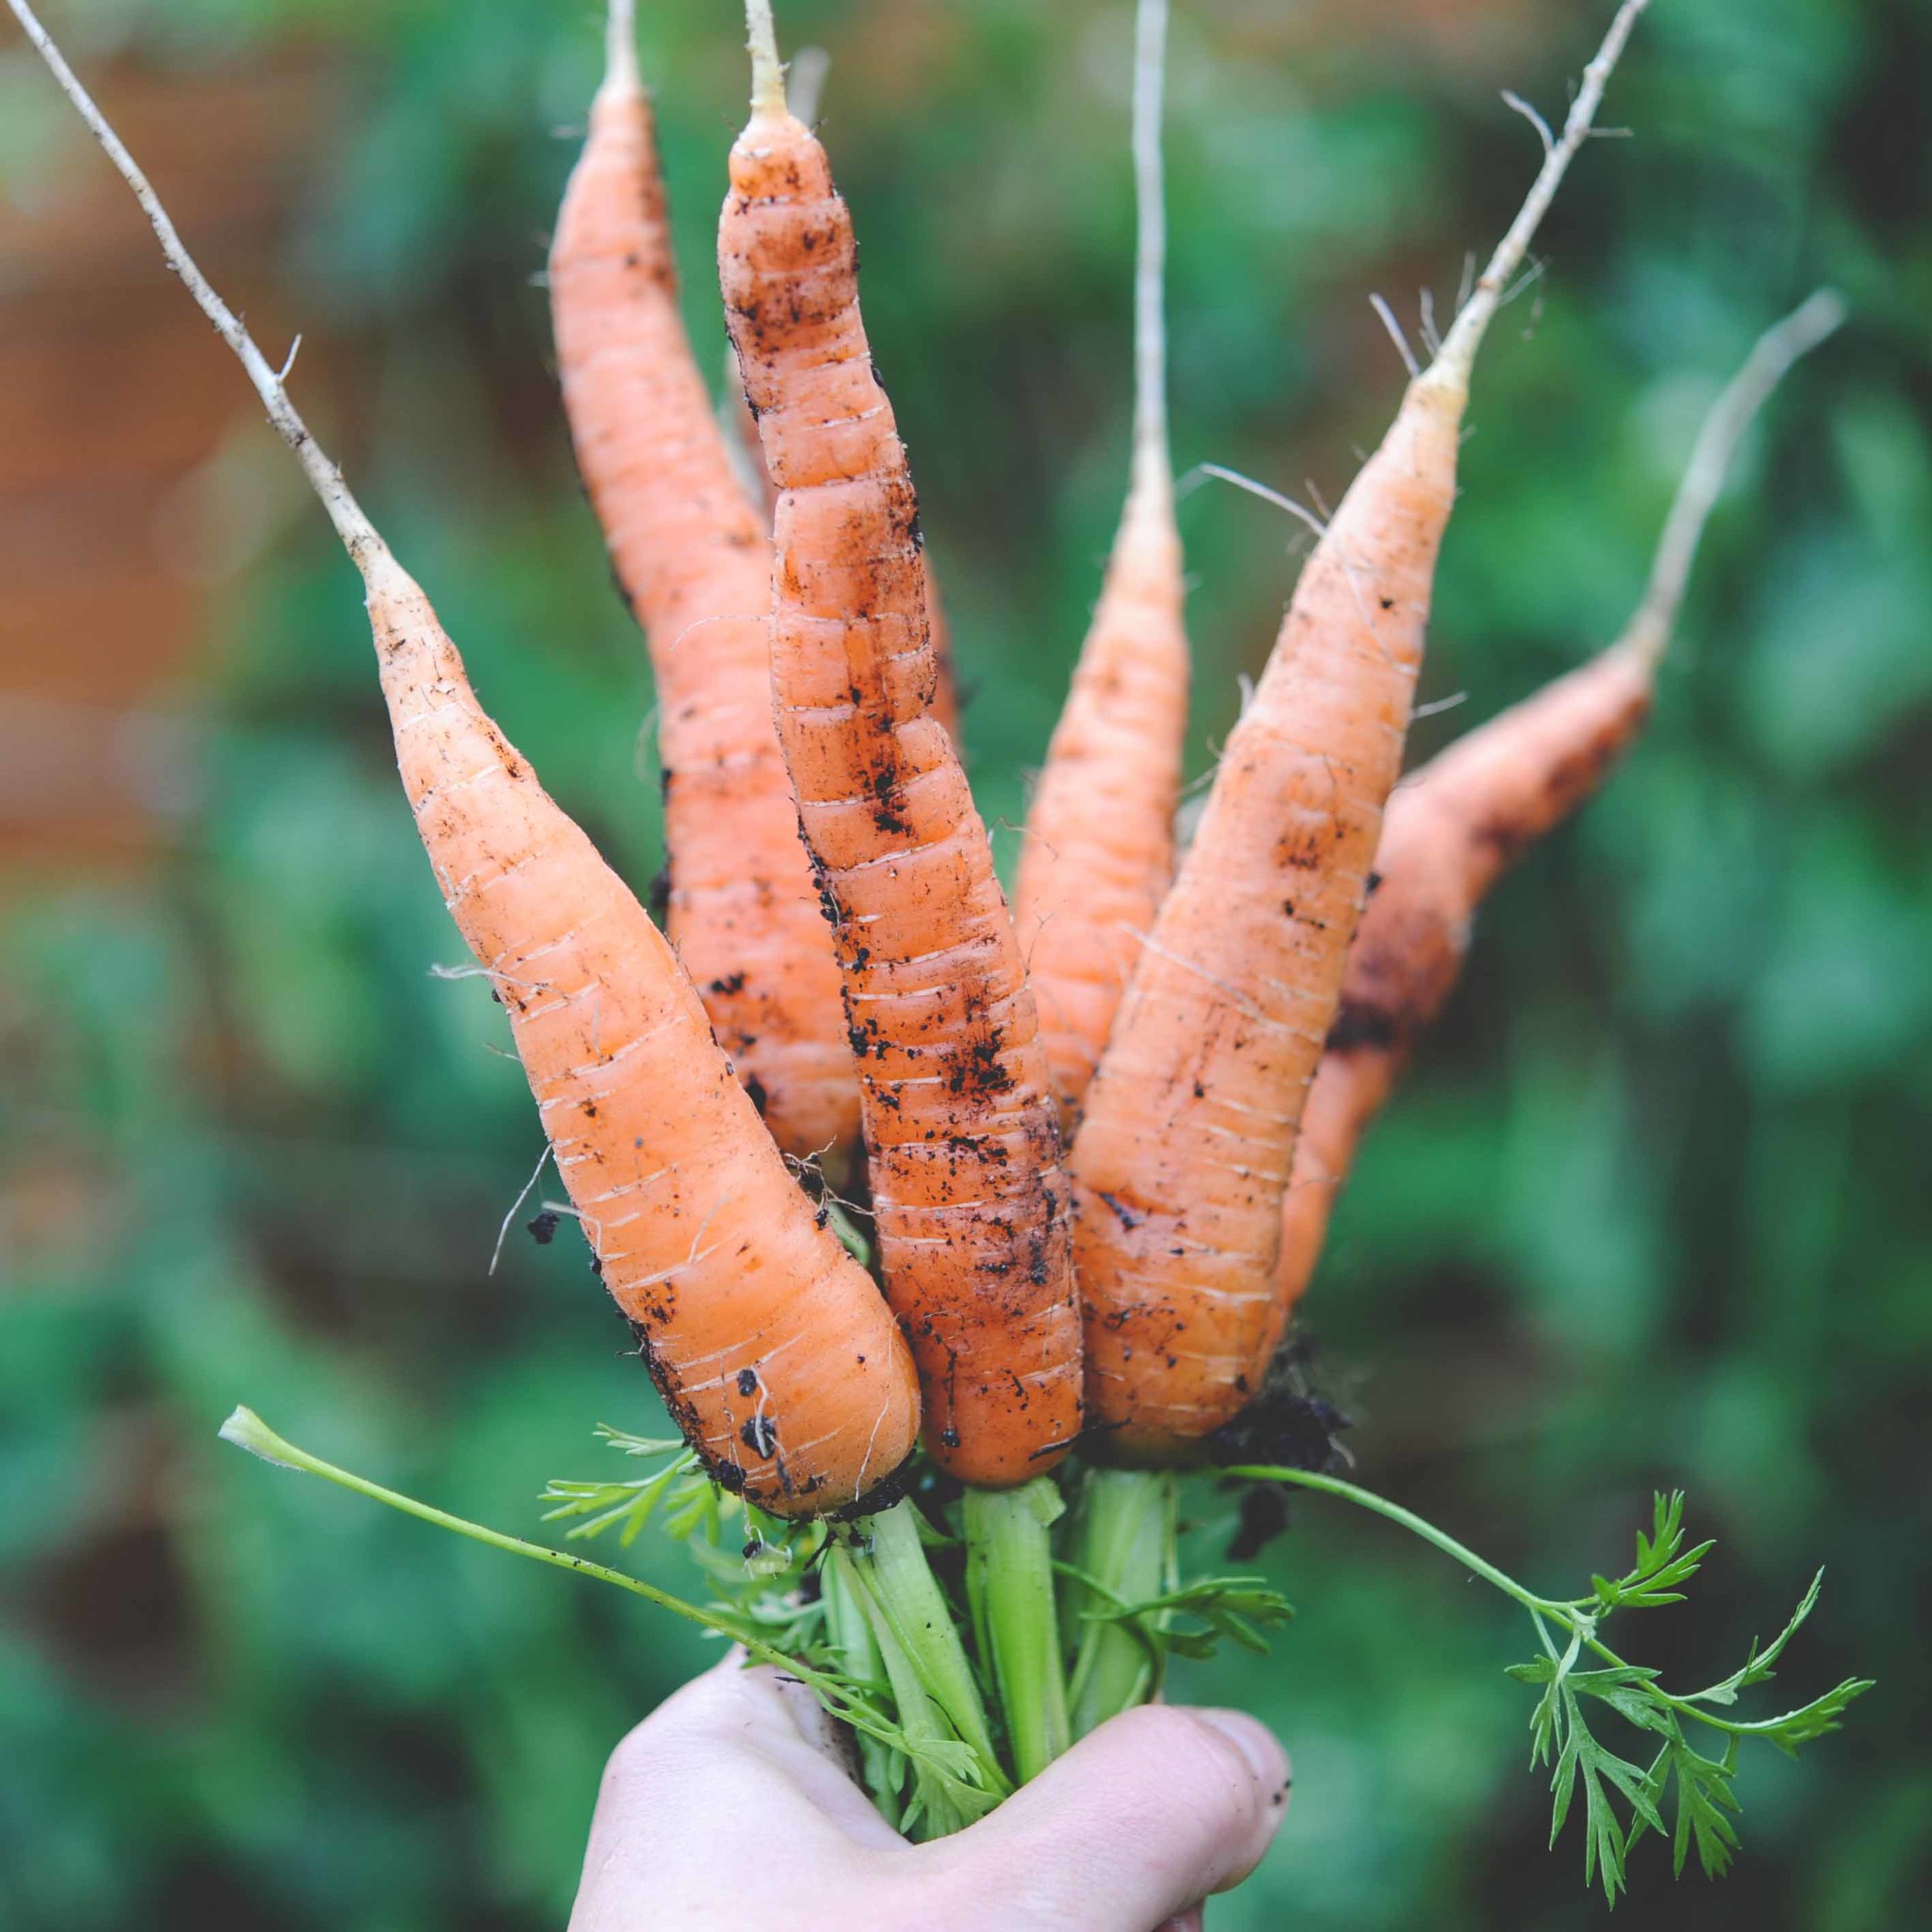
[1652, 1210]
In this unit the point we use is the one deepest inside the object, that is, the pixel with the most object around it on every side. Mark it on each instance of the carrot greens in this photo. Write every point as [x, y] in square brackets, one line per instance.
[1568, 1631]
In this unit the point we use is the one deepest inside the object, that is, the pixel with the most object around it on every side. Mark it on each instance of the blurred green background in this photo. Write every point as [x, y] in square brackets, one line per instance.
[1652, 1210]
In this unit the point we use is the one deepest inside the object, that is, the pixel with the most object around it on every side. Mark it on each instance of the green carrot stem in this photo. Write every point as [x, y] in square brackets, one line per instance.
[247, 1430]
[849, 1632]
[888, 1558]
[1415, 1525]
[1009, 1577]
[1123, 1539]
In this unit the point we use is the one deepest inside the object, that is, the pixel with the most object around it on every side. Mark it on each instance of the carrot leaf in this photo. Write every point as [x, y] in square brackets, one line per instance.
[1568, 1631]
[1234, 1609]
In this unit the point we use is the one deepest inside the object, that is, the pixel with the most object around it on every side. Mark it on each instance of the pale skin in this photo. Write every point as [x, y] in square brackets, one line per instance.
[732, 1803]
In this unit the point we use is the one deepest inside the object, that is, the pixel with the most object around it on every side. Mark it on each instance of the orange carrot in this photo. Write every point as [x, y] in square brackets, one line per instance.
[805, 83]
[1454, 827]
[972, 1209]
[694, 558]
[1182, 1160]
[1098, 854]
[748, 462]
[770, 1344]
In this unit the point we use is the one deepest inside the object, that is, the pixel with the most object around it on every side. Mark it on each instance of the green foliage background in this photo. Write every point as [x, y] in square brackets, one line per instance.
[1652, 1210]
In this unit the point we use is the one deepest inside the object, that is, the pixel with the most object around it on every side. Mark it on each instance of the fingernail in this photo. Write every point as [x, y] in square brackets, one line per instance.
[1256, 1742]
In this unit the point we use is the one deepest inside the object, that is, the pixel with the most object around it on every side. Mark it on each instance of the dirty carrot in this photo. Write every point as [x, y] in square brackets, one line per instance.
[804, 81]
[1454, 827]
[805, 78]
[1182, 1157]
[971, 1205]
[748, 464]
[769, 1344]
[1098, 853]
[693, 557]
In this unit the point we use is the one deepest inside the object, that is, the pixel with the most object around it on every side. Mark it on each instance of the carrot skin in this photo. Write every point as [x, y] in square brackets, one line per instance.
[694, 557]
[770, 1345]
[1182, 1159]
[1098, 855]
[1451, 831]
[1455, 826]
[972, 1209]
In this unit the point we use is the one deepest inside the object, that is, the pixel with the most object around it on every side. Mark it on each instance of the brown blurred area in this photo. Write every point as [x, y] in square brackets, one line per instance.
[135, 479]
[132, 482]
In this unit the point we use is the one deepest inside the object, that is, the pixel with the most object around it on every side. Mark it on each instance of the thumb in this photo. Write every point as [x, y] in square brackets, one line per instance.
[1156, 1809]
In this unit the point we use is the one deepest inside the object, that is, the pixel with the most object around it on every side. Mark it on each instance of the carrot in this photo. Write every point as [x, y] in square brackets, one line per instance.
[805, 77]
[1459, 822]
[1182, 1158]
[748, 464]
[1098, 853]
[694, 559]
[804, 84]
[971, 1207]
[770, 1344]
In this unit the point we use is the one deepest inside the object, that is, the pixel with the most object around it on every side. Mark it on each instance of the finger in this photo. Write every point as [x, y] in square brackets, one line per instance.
[771, 1727]
[728, 1756]
[841, 1796]
[1144, 1818]
[725, 1748]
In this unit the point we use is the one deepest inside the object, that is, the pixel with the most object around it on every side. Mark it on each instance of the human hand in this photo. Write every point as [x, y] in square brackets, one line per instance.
[731, 1804]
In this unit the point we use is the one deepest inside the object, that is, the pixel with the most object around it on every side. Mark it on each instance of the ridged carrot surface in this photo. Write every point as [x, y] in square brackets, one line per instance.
[1098, 853]
[694, 558]
[1454, 828]
[772, 1346]
[1450, 832]
[971, 1205]
[1182, 1158]
[740, 423]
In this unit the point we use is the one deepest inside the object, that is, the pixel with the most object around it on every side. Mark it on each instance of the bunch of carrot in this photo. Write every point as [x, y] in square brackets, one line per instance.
[1100, 1129]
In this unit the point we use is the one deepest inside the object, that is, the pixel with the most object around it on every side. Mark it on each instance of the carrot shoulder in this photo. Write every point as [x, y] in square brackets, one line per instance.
[1098, 854]
[694, 558]
[971, 1207]
[1455, 826]
[1182, 1158]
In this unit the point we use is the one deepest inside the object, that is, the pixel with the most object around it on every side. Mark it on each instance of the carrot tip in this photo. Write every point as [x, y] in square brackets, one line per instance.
[621, 47]
[1730, 417]
[768, 72]
[1458, 352]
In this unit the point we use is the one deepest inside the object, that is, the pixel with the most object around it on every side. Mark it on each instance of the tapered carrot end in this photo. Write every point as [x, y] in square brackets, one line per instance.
[386, 585]
[777, 155]
[1452, 365]
[767, 74]
[1780, 345]
[620, 74]
[1153, 467]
